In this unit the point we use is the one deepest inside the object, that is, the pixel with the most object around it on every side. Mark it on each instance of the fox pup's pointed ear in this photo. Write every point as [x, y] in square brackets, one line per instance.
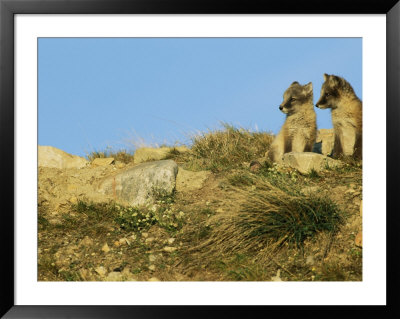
[309, 87]
[334, 80]
[295, 82]
[326, 76]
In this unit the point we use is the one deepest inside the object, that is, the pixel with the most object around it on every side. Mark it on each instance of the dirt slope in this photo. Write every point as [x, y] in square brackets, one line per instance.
[83, 236]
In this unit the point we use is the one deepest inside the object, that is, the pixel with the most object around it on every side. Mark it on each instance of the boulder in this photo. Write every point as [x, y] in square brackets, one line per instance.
[139, 185]
[188, 180]
[145, 154]
[326, 138]
[103, 161]
[305, 162]
[49, 156]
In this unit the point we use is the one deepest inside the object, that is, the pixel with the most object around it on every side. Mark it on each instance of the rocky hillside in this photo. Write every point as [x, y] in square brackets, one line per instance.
[214, 211]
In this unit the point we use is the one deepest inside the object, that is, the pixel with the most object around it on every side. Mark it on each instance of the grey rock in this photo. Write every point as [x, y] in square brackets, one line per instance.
[139, 185]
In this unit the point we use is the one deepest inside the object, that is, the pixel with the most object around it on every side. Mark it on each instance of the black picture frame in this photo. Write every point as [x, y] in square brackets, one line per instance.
[8, 8]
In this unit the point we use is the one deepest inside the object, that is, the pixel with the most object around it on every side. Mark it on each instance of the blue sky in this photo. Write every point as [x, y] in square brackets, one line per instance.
[106, 92]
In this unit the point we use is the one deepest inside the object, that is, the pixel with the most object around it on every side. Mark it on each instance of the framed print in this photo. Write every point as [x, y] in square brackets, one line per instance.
[169, 154]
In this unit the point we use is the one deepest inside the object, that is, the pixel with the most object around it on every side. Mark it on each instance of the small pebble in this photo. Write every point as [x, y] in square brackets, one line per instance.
[124, 241]
[101, 270]
[310, 260]
[105, 248]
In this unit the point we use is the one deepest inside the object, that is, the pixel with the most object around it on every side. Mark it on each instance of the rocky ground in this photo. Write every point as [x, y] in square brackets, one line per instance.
[84, 235]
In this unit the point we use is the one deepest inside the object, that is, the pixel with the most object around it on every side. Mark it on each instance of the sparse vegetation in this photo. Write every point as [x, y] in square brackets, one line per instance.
[313, 174]
[128, 218]
[241, 268]
[243, 225]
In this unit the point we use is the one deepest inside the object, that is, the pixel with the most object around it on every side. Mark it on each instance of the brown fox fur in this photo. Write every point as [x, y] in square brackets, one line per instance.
[346, 109]
[299, 131]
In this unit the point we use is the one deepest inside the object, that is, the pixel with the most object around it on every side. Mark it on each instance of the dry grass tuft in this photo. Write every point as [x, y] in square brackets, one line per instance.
[227, 148]
[266, 218]
[123, 156]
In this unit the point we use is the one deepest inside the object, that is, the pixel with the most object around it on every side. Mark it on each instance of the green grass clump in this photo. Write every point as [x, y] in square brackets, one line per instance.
[313, 174]
[133, 219]
[97, 211]
[240, 179]
[162, 197]
[272, 214]
[43, 223]
[269, 216]
[227, 148]
[70, 275]
[294, 221]
[91, 219]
